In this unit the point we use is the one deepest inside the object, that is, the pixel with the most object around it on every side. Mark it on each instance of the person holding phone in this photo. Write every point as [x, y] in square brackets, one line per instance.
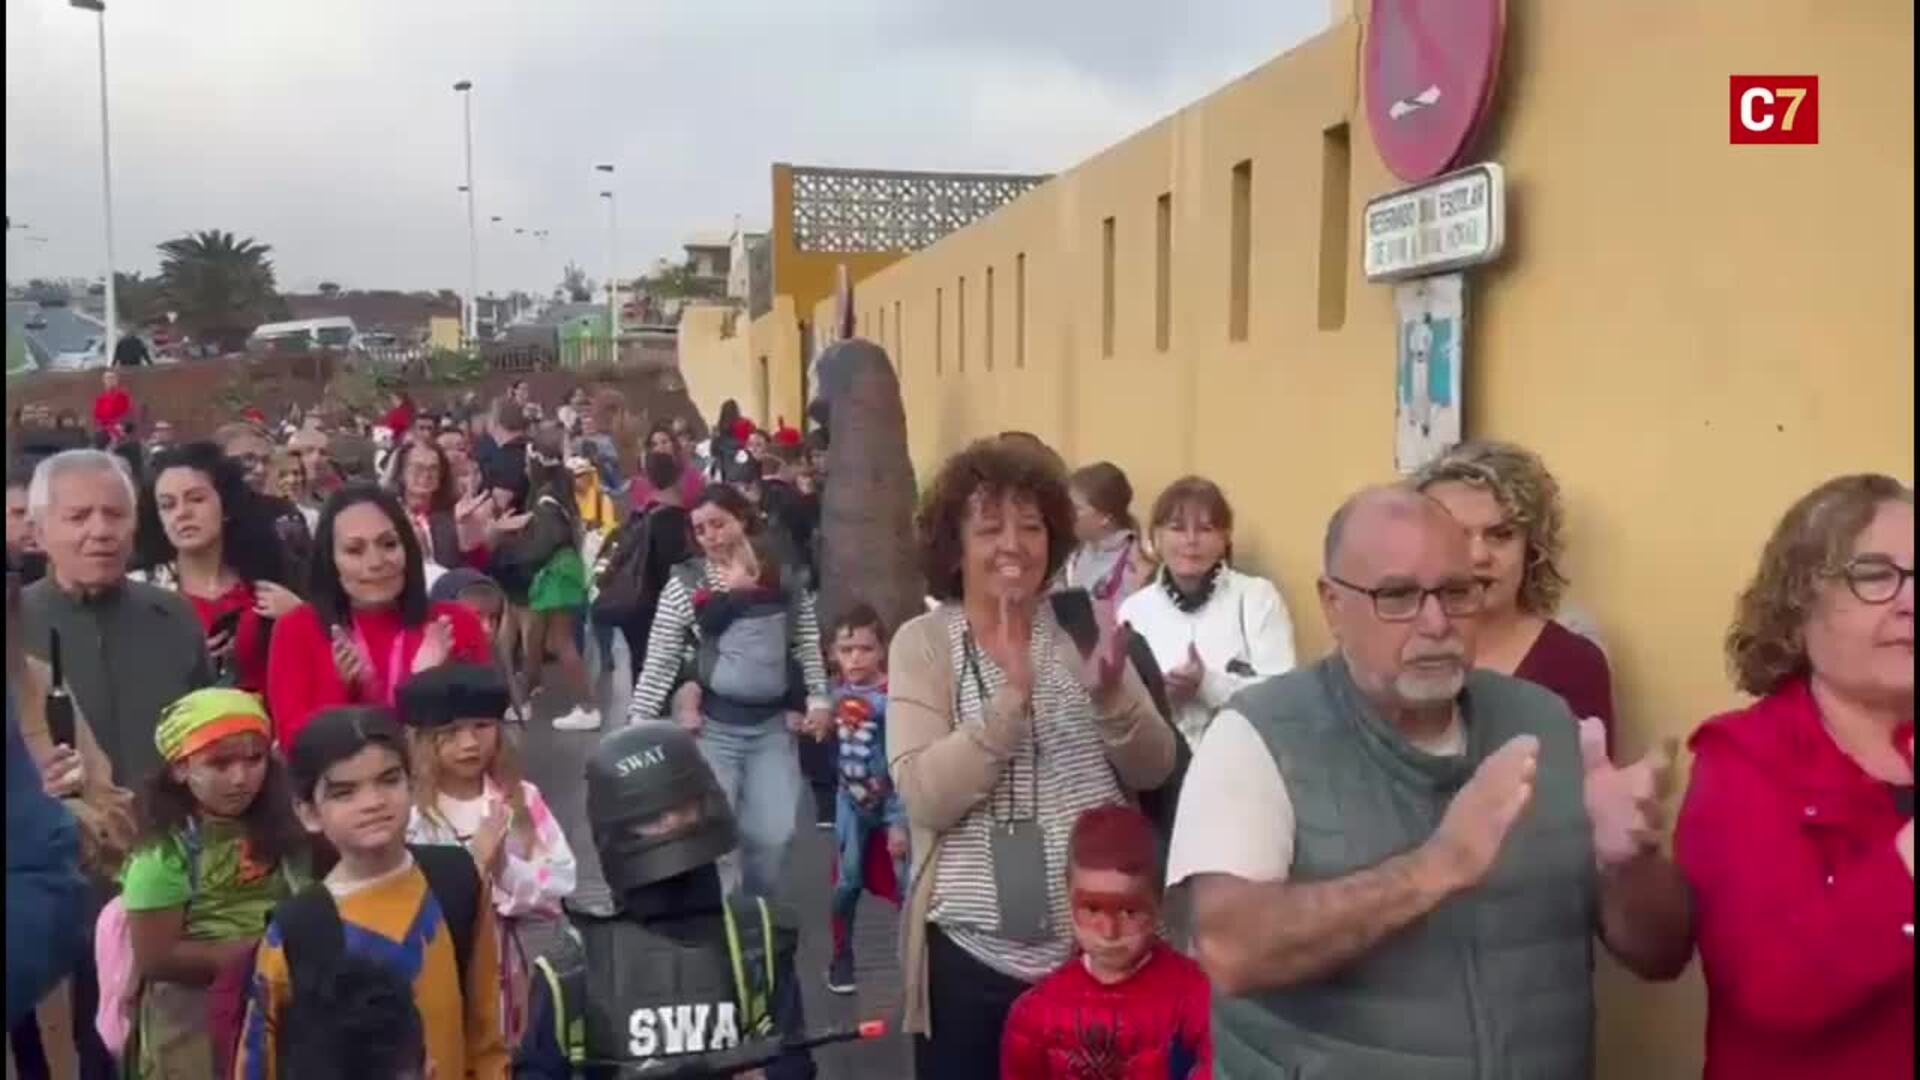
[1002, 732]
[74, 770]
[206, 535]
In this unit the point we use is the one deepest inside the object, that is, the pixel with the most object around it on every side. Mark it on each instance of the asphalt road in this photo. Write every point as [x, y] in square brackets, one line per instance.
[555, 762]
[67, 330]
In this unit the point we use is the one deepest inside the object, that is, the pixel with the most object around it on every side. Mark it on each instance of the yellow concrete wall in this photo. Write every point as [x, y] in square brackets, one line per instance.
[1691, 333]
[443, 332]
[716, 364]
[810, 276]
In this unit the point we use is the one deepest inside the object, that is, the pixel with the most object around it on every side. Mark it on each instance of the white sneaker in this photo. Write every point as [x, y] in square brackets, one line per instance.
[580, 719]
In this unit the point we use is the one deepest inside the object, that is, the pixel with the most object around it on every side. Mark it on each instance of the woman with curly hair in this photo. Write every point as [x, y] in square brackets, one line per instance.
[208, 536]
[1001, 732]
[1510, 506]
[1797, 830]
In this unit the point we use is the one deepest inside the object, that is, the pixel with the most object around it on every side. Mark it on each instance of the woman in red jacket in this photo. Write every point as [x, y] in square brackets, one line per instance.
[369, 624]
[1797, 831]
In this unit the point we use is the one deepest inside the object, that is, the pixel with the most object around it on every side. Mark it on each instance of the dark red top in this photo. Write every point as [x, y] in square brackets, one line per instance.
[1573, 667]
[111, 407]
[302, 678]
[249, 637]
[1803, 908]
[1151, 1026]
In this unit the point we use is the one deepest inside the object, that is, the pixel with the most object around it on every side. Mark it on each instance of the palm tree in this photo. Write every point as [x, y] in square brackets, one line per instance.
[137, 297]
[221, 286]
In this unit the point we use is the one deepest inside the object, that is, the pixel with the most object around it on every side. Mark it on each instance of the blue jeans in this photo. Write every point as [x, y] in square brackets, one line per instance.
[758, 766]
[853, 830]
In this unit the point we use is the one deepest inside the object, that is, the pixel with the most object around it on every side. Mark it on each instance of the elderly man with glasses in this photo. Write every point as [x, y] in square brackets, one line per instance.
[1398, 863]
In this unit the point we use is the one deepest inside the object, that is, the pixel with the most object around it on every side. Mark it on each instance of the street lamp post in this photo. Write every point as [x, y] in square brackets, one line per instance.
[613, 267]
[465, 89]
[99, 8]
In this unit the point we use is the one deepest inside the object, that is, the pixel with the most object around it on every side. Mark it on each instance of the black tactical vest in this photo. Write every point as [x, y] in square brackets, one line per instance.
[629, 997]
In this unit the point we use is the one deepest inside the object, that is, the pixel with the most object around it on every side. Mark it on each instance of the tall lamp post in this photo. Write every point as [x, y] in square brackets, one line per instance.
[99, 8]
[465, 89]
[613, 266]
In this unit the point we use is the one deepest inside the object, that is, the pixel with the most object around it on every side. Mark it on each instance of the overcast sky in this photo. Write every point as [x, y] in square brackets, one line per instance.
[329, 128]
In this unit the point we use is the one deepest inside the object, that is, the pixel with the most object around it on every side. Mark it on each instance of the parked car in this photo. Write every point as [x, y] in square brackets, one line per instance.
[37, 321]
[93, 355]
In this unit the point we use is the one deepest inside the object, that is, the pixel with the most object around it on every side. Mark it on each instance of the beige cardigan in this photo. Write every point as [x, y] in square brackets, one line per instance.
[942, 772]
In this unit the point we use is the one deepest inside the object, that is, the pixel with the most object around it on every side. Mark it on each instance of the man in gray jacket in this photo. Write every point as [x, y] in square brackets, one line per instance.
[125, 650]
[1437, 847]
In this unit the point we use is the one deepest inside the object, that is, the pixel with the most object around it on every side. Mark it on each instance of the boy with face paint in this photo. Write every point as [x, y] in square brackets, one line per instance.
[1126, 1005]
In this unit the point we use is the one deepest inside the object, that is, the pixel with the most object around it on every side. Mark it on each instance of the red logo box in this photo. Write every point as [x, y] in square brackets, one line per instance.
[1773, 110]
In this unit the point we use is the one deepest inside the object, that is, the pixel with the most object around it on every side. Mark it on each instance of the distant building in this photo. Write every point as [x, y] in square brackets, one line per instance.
[408, 316]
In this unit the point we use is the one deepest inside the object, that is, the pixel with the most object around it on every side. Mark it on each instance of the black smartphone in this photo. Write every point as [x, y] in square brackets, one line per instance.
[226, 624]
[1073, 609]
[59, 703]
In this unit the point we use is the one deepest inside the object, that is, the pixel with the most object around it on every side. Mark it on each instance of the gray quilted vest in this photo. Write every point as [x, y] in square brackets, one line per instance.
[1496, 983]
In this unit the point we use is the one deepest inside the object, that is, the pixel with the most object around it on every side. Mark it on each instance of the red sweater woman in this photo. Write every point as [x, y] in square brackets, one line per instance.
[1797, 830]
[370, 625]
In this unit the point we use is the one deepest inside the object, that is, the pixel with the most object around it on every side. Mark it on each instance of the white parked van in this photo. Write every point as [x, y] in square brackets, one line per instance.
[333, 332]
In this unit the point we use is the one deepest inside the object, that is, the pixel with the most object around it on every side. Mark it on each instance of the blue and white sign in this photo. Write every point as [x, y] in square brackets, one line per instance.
[1431, 347]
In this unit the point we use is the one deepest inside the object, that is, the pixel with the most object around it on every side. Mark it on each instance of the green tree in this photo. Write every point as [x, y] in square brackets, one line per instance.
[221, 286]
[574, 280]
[137, 299]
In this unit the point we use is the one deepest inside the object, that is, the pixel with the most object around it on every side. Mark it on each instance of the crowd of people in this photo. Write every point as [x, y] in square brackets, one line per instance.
[275, 677]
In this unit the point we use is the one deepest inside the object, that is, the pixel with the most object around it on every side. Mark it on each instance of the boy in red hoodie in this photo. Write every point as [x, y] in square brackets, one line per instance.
[1126, 1006]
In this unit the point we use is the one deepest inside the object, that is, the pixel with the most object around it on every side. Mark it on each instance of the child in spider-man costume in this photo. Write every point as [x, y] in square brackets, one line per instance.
[1126, 1006]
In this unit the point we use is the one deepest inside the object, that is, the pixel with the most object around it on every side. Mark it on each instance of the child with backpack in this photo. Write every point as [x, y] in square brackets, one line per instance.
[868, 816]
[352, 1019]
[418, 910]
[220, 848]
[469, 792]
[546, 579]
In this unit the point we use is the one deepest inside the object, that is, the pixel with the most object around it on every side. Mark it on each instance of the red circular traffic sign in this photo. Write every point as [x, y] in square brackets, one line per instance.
[1430, 67]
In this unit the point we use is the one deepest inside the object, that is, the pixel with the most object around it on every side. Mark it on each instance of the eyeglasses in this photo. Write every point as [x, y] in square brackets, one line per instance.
[1875, 579]
[1402, 602]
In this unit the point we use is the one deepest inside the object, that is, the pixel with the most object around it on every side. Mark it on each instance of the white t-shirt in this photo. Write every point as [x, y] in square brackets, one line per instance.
[1235, 816]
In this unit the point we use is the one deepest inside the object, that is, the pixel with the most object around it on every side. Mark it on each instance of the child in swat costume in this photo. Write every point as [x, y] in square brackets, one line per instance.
[683, 980]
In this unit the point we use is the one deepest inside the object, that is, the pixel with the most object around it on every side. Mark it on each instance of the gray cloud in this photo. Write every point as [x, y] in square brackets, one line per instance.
[329, 129]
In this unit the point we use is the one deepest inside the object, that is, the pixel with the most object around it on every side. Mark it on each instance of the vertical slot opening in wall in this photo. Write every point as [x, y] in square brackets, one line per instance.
[1020, 310]
[1336, 178]
[960, 326]
[1240, 253]
[988, 338]
[899, 339]
[1106, 287]
[939, 330]
[1163, 272]
[882, 337]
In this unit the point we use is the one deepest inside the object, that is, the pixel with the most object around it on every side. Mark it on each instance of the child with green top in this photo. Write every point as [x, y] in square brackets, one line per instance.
[220, 847]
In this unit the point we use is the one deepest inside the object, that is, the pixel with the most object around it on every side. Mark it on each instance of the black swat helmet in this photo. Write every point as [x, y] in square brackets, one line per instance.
[654, 806]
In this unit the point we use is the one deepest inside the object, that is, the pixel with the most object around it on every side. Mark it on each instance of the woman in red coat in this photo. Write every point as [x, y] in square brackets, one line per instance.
[1797, 831]
[369, 624]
